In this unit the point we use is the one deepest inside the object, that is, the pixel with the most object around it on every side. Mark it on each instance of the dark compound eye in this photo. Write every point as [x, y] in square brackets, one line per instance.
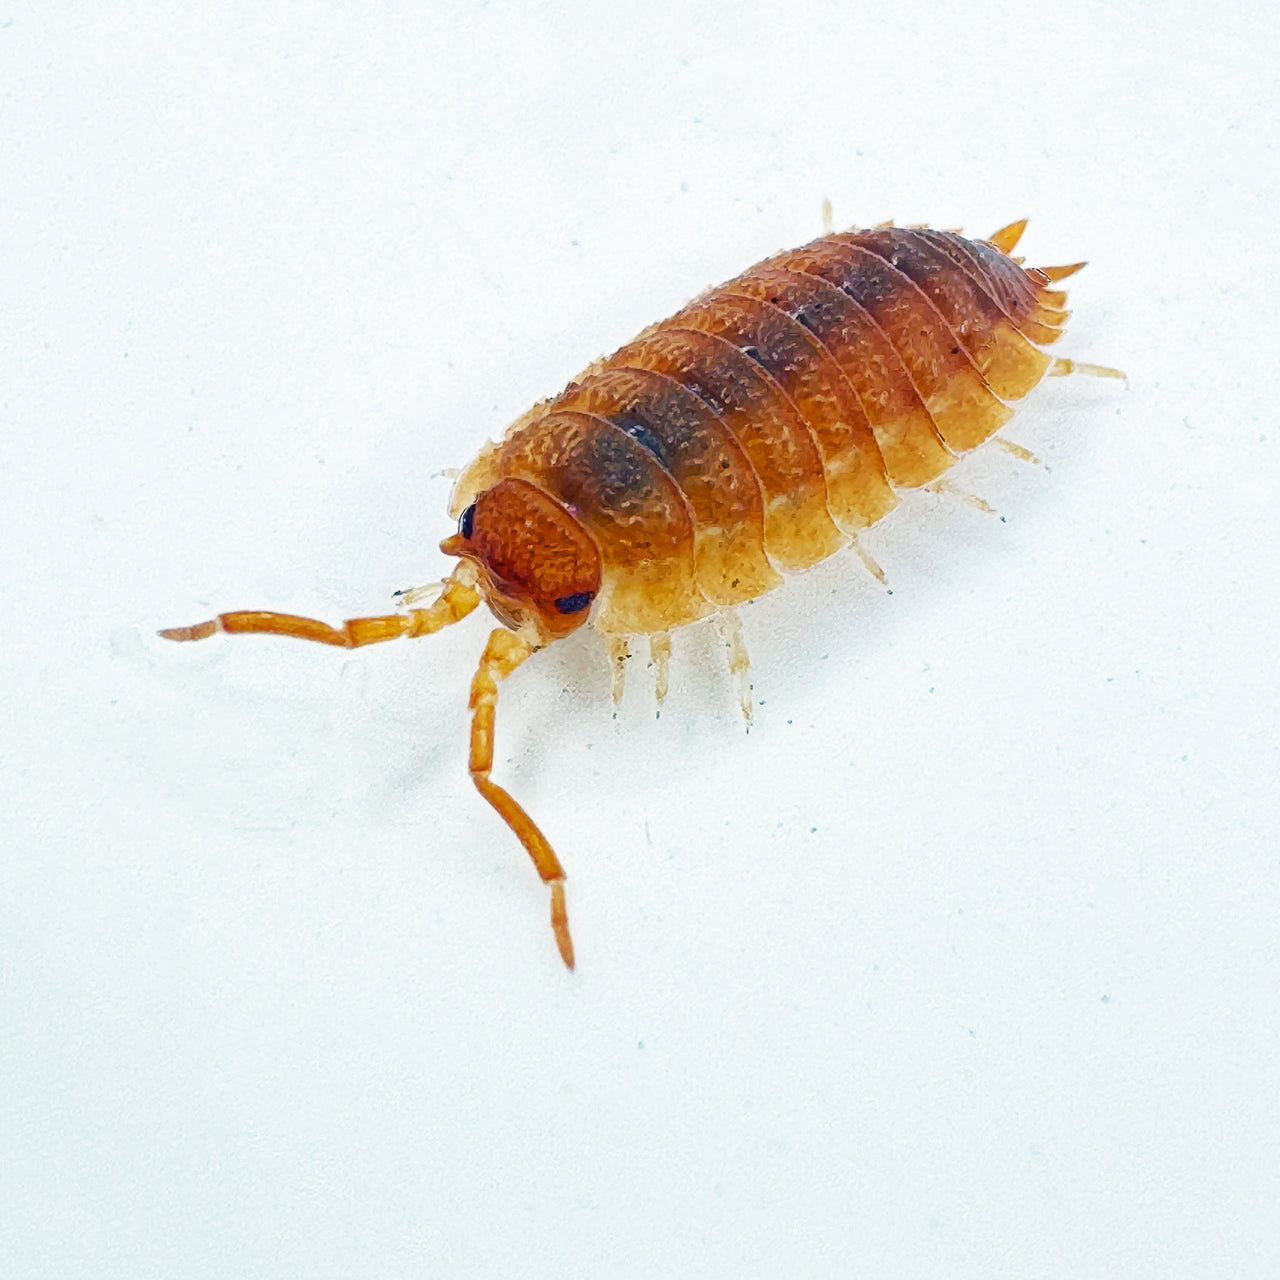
[574, 603]
[467, 523]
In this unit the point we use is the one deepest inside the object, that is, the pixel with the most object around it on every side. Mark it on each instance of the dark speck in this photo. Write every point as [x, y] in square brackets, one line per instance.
[640, 433]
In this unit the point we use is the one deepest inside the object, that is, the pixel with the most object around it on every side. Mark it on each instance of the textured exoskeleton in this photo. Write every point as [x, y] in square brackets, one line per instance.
[757, 430]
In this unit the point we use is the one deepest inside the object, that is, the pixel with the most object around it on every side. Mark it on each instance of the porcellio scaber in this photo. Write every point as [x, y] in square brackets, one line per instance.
[757, 431]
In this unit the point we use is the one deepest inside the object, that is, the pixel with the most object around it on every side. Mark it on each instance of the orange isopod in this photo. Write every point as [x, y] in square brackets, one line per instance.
[759, 429]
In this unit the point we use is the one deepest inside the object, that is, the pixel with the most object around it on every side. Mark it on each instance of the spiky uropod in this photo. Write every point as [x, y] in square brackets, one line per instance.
[757, 430]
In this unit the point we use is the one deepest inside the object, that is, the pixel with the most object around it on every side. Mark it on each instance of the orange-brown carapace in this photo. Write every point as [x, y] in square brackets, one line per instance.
[755, 431]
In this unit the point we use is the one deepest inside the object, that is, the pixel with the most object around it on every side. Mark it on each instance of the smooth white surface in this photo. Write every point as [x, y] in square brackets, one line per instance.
[962, 963]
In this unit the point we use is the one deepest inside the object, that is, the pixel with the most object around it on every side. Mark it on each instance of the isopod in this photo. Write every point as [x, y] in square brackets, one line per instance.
[757, 430]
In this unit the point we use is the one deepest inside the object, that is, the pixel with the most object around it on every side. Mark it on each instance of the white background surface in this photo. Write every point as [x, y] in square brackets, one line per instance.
[962, 963]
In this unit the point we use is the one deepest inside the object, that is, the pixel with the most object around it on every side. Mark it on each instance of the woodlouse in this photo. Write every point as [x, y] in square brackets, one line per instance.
[759, 429]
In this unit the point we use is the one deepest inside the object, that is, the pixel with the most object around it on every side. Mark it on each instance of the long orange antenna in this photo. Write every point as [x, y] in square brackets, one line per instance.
[502, 655]
[458, 597]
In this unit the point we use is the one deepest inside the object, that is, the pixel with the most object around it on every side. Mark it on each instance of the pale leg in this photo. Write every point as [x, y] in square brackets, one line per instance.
[659, 657]
[739, 664]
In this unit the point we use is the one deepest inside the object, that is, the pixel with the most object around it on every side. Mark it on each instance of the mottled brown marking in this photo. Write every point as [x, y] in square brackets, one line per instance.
[755, 430]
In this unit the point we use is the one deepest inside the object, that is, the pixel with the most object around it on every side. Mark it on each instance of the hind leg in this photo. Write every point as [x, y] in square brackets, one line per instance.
[730, 628]
[1060, 369]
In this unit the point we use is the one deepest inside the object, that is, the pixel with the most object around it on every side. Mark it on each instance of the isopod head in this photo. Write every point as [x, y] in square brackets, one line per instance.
[539, 569]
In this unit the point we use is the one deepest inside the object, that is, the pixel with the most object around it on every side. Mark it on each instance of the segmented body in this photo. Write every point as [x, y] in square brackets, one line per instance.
[757, 430]
[774, 417]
